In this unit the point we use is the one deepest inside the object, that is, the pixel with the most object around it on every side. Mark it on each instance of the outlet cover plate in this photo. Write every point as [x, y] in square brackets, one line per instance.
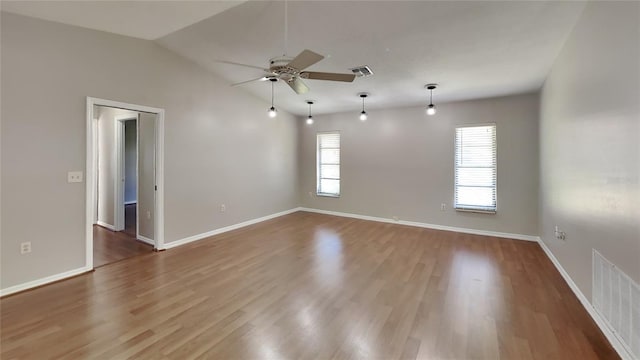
[74, 176]
[25, 247]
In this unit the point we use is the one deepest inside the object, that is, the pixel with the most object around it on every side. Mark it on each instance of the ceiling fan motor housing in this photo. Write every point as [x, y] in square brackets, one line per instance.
[279, 67]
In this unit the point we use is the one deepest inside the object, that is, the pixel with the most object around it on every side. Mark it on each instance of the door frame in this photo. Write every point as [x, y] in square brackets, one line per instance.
[119, 179]
[91, 169]
[95, 183]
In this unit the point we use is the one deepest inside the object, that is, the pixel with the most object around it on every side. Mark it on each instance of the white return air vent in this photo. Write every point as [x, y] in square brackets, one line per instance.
[362, 71]
[617, 298]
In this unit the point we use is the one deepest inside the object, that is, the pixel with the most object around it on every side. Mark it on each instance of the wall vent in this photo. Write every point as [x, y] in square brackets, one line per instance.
[616, 297]
[362, 71]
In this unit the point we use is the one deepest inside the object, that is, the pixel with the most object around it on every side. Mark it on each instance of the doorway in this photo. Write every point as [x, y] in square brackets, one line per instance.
[124, 181]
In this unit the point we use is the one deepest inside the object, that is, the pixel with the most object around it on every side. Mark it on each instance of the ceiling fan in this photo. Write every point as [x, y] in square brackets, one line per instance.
[291, 71]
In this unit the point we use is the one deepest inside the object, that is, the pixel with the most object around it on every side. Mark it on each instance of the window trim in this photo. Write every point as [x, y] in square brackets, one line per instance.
[318, 193]
[478, 210]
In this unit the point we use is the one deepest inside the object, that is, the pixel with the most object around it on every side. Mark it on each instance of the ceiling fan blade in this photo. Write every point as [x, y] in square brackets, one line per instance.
[314, 75]
[245, 65]
[305, 59]
[298, 86]
[262, 78]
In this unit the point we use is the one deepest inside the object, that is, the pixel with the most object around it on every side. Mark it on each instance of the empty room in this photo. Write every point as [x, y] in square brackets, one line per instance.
[320, 180]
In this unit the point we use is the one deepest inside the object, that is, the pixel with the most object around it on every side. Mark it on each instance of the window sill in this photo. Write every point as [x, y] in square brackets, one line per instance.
[479, 211]
[328, 195]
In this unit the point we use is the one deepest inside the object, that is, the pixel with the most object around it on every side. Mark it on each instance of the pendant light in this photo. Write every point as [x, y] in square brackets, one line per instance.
[363, 113]
[431, 109]
[309, 118]
[272, 110]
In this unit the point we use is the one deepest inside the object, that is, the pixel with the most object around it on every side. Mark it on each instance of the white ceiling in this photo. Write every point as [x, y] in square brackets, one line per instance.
[142, 19]
[473, 49]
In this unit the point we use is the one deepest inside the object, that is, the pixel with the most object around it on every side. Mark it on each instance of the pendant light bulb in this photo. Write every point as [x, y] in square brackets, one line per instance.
[431, 109]
[363, 113]
[272, 110]
[309, 118]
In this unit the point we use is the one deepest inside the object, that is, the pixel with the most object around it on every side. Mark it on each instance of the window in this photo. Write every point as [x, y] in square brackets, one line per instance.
[476, 168]
[328, 157]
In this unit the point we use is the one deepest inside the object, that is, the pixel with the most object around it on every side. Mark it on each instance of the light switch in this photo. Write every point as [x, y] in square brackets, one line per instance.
[74, 176]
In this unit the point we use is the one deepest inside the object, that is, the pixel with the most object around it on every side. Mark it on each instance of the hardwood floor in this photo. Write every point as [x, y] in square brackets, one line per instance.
[311, 286]
[111, 246]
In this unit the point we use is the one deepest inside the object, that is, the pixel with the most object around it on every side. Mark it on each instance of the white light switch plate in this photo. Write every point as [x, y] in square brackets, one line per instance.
[74, 176]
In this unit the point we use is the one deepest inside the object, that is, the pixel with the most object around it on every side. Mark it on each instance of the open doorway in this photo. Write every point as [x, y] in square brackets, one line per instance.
[124, 178]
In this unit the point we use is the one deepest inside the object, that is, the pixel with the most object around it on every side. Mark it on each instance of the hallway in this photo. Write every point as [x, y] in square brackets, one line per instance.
[111, 246]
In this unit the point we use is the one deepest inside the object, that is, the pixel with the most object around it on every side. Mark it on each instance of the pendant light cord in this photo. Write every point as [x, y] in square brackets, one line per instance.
[431, 97]
[272, 94]
[309, 109]
[363, 103]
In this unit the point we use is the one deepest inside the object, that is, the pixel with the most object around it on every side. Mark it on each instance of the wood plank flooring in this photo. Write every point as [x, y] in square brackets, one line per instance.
[111, 246]
[311, 286]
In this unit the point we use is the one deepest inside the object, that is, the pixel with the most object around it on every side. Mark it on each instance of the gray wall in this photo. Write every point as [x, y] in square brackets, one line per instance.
[400, 163]
[130, 160]
[219, 145]
[589, 136]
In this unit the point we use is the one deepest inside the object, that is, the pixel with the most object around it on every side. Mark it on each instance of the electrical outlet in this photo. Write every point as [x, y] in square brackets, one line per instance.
[25, 247]
[310, 194]
[148, 215]
[74, 176]
[443, 207]
[395, 218]
[223, 208]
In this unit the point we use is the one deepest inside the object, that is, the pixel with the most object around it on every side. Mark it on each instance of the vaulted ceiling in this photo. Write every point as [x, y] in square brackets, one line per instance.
[472, 49]
[147, 20]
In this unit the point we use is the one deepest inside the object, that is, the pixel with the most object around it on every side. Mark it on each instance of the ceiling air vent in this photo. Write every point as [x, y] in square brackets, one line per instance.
[362, 71]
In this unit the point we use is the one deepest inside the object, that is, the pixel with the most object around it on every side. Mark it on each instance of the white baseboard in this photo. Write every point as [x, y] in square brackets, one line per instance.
[608, 333]
[130, 202]
[425, 225]
[105, 225]
[43, 281]
[226, 228]
[146, 240]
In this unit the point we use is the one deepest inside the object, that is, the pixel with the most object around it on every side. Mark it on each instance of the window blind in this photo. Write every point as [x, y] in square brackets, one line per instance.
[328, 164]
[476, 168]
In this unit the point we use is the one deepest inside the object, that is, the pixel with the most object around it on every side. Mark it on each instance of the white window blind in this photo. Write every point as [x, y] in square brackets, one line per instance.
[328, 163]
[476, 168]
